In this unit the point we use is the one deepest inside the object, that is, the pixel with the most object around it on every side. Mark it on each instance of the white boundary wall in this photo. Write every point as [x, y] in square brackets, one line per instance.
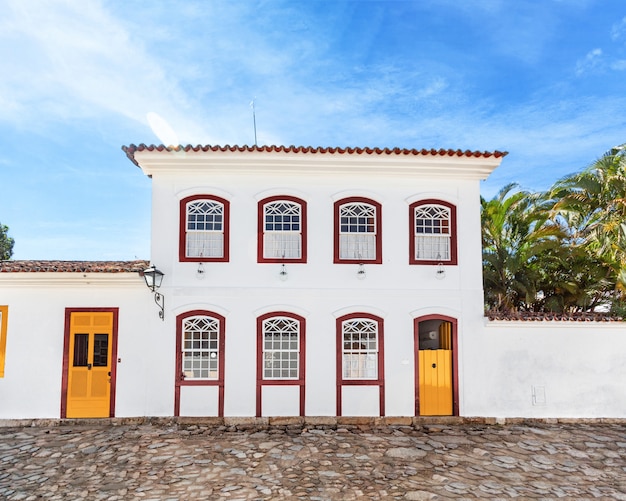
[546, 369]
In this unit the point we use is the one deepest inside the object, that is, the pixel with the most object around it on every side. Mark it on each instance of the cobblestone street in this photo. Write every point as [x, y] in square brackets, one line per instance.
[171, 461]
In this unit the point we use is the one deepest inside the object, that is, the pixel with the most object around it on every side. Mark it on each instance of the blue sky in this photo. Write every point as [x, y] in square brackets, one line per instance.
[544, 80]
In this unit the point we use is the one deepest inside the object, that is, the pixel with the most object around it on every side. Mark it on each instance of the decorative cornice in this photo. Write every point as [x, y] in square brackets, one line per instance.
[321, 161]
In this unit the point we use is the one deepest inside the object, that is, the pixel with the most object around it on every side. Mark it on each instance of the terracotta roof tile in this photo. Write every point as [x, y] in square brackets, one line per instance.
[73, 266]
[531, 316]
[131, 149]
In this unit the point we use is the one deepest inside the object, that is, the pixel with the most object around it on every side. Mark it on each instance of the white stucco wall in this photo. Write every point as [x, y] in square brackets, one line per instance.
[31, 387]
[546, 369]
[319, 290]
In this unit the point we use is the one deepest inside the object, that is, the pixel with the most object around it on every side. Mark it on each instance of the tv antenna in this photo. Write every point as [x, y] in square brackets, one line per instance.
[253, 120]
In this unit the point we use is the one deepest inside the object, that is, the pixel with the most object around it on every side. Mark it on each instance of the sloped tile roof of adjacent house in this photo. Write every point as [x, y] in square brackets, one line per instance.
[73, 266]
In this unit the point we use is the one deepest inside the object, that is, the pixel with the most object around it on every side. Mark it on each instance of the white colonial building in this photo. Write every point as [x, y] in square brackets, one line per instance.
[296, 282]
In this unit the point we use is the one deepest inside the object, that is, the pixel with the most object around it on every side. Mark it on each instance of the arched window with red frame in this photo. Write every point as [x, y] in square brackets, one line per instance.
[204, 228]
[282, 230]
[357, 231]
[200, 343]
[433, 233]
[360, 355]
[281, 354]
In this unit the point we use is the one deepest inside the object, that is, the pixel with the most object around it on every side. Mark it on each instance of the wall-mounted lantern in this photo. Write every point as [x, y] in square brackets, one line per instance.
[441, 271]
[154, 277]
[360, 274]
[200, 271]
[283, 275]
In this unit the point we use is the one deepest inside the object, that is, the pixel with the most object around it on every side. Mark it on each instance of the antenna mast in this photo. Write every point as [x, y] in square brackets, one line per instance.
[253, 120]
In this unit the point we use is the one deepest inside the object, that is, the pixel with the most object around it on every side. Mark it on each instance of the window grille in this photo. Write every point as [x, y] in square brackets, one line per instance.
[360, 349]
[281, 348]
[357, 231]
[432, 233]
[200, 348]
[282, 231]
[205, 229]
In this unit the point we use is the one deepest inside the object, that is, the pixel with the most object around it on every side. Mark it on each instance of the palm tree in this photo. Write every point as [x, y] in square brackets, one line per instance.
[591, 205]
[519, 240]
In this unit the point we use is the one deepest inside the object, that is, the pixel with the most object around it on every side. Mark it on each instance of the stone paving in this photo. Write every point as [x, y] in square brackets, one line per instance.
[186, 461]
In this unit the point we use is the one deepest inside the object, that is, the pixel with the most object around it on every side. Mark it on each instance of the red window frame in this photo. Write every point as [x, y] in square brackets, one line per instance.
[179, 379]
[182, 247]
[261, 229]
[260, 382]
[453, 233]
[379, 231]
[380, 380]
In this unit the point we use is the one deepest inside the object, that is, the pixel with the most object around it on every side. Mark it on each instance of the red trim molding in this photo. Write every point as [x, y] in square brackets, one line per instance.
[453, 233]
[66, 356]
[380, 381]
[179, 378]
[301, 381]
[455, 359]
[261, 229]
[182, 254]
[379, 231]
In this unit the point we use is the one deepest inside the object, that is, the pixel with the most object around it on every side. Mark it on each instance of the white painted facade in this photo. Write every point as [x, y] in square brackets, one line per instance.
[507, 369]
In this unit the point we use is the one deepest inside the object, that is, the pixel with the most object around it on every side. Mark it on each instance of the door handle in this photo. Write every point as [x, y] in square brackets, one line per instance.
[434, 366]
[88, 367]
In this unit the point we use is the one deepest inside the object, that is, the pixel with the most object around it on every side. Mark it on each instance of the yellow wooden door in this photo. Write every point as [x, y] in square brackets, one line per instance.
[435, 383]
[89, 367]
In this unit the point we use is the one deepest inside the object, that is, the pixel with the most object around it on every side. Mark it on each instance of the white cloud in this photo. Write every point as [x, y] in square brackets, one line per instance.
[71, 60]
[618, 30]
[591, 62]
[619, 65]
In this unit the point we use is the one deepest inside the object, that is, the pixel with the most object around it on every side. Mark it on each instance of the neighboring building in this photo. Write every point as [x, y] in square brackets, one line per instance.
[297, 282]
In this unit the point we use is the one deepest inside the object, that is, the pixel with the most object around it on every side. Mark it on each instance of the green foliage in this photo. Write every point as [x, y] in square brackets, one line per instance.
[563, 250]
[6, 243]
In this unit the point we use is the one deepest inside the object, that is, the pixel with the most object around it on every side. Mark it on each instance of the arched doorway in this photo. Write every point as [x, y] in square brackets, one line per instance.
[436, 372]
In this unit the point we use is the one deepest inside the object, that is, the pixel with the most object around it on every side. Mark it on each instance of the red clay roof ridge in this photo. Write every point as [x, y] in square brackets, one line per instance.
[131, 149]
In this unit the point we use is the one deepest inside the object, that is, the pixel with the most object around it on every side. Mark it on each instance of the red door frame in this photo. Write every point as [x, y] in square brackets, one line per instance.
[66, 355]
[455, 360]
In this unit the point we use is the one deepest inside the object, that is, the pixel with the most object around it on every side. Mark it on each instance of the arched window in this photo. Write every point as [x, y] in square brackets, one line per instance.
[281, 347]
[282, 230]
[204, 225]
[200, 348]
[433, 233]
[281, 354]
[360, 355]
[200, 342]
[358, 232]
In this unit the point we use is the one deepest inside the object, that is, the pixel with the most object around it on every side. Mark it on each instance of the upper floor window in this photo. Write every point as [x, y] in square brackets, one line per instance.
[282, 230]
[433, 232]
[281, 347]
[204, 228]
[358, 232]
